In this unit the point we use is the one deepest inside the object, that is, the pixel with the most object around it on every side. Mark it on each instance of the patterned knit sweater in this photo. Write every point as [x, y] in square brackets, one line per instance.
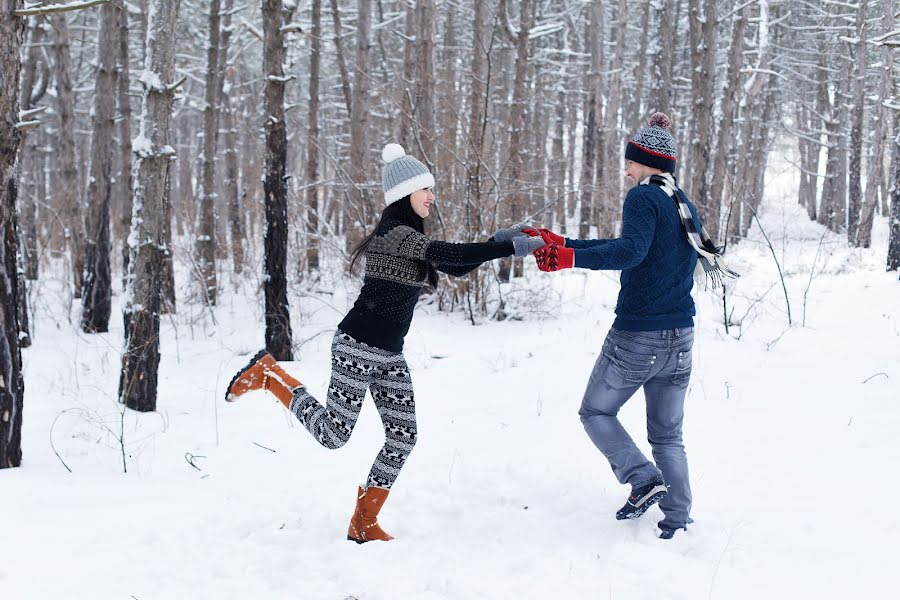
[655, 258]
[394, 277]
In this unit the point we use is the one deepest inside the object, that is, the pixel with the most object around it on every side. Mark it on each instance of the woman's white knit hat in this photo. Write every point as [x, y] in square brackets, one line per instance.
[403, 174]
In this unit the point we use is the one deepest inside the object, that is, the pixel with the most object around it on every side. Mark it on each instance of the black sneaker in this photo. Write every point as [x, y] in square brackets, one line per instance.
[667, 534]
[642, 498]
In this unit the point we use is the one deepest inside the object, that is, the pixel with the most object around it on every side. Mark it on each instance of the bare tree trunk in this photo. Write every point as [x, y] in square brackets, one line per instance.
[96, 298]
[34, 85]
[68, 190]
[725, 138]
[893, 255]
[518, 132]
[232, 184]
[826, 109]
[703, 59]
[424, 126]
[312, 143]
[876, 178]
[342, 58]
[809, 162]
[557, 174]
[359, 157]
[140, 361]
[447, 126]
[609, 189]
[407, 85]
[278, 321]
[12, 386]
[661, 83]
[638, 99]
[476, 127]
[856, 126]
[232, 189]
[832, 212]
[206, 226]
[123, 185]
[590, 123]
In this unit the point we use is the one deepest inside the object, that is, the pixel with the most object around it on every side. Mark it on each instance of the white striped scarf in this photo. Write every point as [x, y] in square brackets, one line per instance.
[711, 266]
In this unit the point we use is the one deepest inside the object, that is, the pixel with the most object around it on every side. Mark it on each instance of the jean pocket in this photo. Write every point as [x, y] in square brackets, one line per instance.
[629, 368]
[683, 365]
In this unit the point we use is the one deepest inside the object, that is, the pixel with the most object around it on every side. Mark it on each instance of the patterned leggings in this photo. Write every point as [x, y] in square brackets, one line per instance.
[355, 367]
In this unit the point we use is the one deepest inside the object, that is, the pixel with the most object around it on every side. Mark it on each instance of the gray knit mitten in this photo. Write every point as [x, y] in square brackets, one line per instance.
[509, 233]
[526, 245]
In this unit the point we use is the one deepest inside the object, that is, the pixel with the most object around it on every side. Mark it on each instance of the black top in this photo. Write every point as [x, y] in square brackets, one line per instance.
[394, 277]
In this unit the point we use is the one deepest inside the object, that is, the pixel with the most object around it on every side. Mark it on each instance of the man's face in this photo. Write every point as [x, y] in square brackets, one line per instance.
[636, 171]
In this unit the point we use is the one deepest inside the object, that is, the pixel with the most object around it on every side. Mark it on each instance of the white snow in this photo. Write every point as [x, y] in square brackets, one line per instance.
[141, 145]
[151, 80]
[789, 433]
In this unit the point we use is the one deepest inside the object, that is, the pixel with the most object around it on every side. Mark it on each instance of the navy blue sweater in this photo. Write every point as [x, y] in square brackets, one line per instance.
[655, 258]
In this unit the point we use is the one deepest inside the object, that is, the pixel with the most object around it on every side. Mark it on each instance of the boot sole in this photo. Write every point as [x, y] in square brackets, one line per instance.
[639, 511]
[229, 397]
[353, 539]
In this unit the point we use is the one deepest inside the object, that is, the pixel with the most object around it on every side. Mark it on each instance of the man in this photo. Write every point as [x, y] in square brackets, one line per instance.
[649, 345]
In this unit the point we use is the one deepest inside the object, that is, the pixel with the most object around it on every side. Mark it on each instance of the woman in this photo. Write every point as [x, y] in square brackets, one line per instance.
[367, 350]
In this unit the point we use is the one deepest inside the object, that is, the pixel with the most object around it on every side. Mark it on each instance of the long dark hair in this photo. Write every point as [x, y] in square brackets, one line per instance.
[401, 211]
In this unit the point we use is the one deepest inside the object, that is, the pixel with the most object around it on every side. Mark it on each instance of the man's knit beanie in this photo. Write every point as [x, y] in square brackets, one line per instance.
[653, 145]
[403, 174]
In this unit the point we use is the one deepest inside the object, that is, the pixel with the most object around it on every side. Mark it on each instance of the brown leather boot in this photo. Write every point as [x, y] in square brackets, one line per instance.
[263, 373]
[364, 525]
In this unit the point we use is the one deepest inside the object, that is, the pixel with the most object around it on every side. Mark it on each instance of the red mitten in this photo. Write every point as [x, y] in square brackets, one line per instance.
[548, 236]
[554, 257]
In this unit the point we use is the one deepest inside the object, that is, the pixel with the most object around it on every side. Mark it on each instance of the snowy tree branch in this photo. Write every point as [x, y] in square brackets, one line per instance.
[36, 10]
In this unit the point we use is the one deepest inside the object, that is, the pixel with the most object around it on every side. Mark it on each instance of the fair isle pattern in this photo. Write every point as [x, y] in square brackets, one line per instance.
[657, 140]
[401, 240]
[394, 268]
[356, 367]
[395, 256]
[710, 263]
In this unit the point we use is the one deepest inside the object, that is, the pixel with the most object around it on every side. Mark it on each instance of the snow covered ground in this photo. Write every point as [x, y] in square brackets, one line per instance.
[789, 433]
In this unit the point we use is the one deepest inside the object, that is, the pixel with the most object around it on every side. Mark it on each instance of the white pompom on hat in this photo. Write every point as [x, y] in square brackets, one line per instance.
[403, 174]
[392, 152]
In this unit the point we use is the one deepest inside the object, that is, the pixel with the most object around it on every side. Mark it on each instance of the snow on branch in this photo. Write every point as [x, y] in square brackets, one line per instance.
[256, 32]
[736, 10]
[765, 72]
[233, 11]
[546, 29]
[33, 10]
[882, 38]
[152, 82]
[26, 114]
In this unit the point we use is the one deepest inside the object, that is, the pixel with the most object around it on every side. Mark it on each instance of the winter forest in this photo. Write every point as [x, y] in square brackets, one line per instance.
[182, 183]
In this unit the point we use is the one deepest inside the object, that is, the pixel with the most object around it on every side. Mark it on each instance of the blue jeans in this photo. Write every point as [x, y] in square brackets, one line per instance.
[660, 362]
